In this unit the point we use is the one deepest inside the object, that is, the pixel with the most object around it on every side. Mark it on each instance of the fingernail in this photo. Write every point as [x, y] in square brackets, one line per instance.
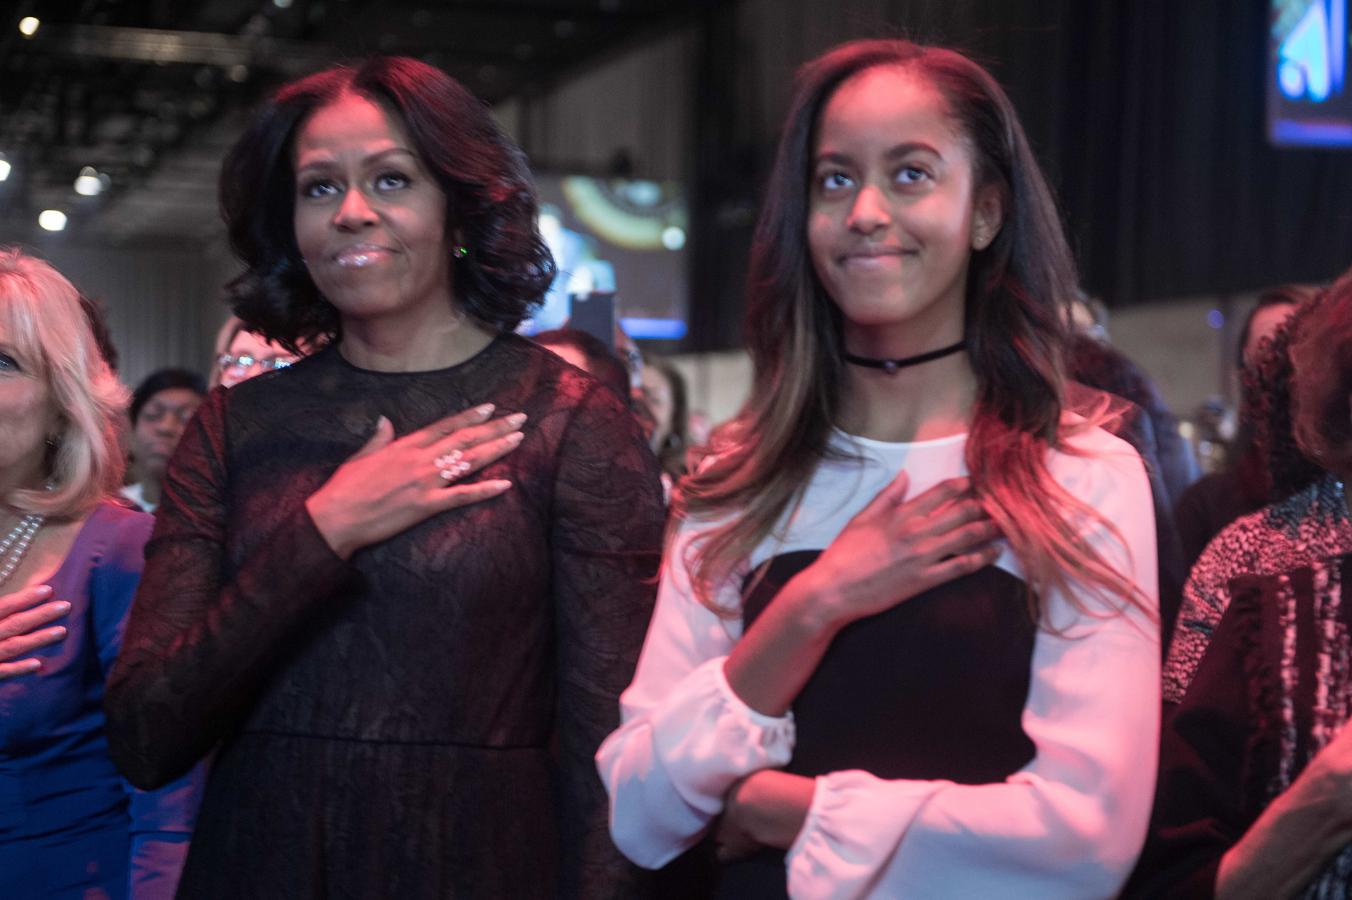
[42, 590]
[485, 410]
[501, 484]
[63, 606]
[516, 437]
[516, 420]
[59, 631]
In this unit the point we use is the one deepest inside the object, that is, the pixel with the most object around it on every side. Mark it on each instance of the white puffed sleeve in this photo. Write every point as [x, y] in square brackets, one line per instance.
[685, 736]
[1069, 824]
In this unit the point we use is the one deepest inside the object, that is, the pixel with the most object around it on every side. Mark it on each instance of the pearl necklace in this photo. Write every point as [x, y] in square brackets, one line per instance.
[16, 543]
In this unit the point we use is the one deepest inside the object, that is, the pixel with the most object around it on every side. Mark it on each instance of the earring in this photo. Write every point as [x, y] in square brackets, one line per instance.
[460, 252]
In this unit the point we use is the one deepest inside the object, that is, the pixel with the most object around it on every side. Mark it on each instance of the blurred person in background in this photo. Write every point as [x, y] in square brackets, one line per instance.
[242, 353]
[1096, 362]
[70, 557]
[161, 407]
[590, 354]
[664, 392]
[1253, 798]
[98, 321]
[1305, 518]
[1243, 486]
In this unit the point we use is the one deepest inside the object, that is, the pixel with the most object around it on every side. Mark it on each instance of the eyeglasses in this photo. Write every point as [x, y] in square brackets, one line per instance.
[244, 362]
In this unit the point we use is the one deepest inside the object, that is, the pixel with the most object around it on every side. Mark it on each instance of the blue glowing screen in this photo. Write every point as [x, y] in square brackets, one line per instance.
[1309, 103]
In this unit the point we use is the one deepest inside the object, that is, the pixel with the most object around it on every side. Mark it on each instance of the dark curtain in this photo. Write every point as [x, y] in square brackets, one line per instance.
[1147, 116]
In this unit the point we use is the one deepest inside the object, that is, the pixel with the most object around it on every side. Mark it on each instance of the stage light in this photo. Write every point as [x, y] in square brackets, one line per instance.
[673, 238]
[4, 168]
[88, 183]
[28, 26]
[52, 220]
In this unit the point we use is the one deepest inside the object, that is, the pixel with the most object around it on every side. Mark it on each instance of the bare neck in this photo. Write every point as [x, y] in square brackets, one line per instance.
[27, 474]
[413, 342]
[930, 400]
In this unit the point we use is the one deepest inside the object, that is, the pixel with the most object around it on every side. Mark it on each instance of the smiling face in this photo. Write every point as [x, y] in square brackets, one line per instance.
[27, 418]
[370, 219]
[895, 213]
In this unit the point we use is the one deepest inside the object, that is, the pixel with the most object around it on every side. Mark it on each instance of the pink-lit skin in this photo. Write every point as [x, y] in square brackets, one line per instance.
[370, 222]
[894, 216]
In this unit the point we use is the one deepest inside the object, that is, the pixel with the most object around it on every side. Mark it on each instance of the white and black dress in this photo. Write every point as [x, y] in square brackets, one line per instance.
[958, 749]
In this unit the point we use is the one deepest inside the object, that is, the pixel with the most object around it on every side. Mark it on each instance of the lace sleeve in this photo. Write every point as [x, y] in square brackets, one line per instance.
[200, 642]
[607, 533]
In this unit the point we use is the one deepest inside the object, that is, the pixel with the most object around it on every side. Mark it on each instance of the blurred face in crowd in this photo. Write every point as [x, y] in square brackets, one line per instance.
[158, 427]
[251, 354]
[657, 396]
[27, 417]
[370, 218]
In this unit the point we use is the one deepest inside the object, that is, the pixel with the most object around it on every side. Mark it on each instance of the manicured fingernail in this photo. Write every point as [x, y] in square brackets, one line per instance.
[63, 606]
[516, 437]
[42, 590]
[500, 484]
[58, 632]
[29, 665]
[516, 420]
[485, 410]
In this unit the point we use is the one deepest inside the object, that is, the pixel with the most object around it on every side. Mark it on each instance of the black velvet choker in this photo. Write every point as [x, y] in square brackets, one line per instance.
[891, 365]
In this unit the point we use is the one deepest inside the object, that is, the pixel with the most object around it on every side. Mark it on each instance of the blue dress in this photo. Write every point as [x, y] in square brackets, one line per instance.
[70, 826]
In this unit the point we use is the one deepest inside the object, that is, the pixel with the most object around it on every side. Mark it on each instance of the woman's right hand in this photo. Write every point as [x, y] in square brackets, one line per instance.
[1298, 834]
[390, 485]
[22, 615]
[895, 548]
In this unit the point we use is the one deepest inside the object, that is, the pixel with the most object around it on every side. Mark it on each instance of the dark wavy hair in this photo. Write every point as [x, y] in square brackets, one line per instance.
[1019, 290]
[1263, 415]
[164, 380]
[1268, 385]
[490, 200]
[1321, 366]
[1282, 295]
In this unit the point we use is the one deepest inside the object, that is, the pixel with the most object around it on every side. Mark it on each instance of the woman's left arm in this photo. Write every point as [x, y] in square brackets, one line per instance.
[606, 544]
[1070, 823]
[160, 821]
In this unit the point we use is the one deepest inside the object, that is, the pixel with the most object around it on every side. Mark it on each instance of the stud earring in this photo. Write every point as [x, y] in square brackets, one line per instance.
[460, 252]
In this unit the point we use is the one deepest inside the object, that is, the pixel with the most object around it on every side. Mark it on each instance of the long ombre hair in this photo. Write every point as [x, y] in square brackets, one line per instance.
[1018, 291]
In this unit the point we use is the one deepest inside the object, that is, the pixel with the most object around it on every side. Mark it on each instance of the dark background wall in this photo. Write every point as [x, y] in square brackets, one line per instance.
[1148, 117]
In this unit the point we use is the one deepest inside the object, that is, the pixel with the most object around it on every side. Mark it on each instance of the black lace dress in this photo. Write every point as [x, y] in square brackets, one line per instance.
[419, 722]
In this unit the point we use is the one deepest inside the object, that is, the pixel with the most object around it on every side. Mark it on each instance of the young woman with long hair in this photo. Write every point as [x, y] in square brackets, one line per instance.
[906, 629]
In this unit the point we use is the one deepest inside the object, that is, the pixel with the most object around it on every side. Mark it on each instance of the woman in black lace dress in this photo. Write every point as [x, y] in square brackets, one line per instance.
[398, 586]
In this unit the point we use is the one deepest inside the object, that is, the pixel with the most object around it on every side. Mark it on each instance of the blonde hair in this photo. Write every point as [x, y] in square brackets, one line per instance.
[40, 310]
